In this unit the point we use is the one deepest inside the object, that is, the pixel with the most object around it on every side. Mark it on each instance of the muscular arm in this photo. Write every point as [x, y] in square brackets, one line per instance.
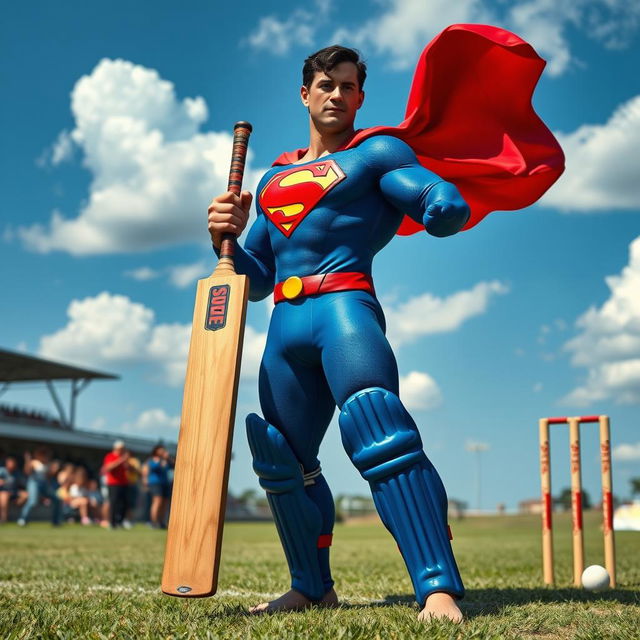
[416, 191]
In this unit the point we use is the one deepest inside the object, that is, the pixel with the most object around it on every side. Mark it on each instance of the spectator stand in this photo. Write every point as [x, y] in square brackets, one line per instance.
[24, 428]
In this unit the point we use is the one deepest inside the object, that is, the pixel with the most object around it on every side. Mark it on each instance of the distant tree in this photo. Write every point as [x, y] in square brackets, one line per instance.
[635, 486]
[248, 495]
[563, 500]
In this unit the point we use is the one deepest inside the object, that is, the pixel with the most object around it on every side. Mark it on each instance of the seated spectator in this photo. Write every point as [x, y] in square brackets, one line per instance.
[78, 495]
[9, 487]
[66, 473]
[62, 482]
[96, 502]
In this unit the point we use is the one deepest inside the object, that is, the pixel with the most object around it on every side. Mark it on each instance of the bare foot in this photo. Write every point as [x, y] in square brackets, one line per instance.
[440, 605]
[294, 601]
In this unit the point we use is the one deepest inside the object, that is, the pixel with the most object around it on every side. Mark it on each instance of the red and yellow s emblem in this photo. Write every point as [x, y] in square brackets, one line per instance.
[290, 195]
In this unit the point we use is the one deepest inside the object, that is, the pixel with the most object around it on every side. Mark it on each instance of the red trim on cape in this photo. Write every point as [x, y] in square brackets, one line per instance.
[469, 119]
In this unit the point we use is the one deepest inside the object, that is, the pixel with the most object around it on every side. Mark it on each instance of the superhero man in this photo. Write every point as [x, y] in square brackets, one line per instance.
[322, 215]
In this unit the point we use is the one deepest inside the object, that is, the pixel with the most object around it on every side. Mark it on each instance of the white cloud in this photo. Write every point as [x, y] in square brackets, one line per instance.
[279, 36]
[62, 148]
[612, 22]
[419, 390]
[142, 274]
[544, 24]
[252, 350]
[608, 344]
[155, 423]
[169, 347]
[153, 171]
[403, 29]
[427, 314]
[603, 165]
[183, 275]
[627, 452]
[111, 330]
[105, 329]
[179, 275]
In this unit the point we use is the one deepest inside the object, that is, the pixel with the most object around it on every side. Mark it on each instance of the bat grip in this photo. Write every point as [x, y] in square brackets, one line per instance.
[241, 132]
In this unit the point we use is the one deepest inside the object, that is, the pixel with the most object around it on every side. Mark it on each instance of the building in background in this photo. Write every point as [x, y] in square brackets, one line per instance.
[24, 428]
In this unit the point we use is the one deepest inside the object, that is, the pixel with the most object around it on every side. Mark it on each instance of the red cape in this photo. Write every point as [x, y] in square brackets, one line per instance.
[469, 119]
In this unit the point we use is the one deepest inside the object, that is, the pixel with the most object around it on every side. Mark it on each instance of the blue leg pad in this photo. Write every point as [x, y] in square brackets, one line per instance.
[383, 442]
[297, 517]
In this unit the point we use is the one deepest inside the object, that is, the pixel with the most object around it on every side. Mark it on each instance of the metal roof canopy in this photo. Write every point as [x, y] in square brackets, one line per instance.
[18, 367]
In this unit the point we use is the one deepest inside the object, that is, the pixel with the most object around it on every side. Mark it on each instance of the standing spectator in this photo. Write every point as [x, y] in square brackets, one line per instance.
[9, 487]
[38, 469]
[115, 466]
[133, 490]
[156, 480]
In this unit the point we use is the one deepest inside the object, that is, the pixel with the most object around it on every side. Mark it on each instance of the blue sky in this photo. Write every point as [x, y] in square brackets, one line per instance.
[116, 124]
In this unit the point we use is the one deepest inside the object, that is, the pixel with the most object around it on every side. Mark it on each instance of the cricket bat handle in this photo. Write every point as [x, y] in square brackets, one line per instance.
[241, 132]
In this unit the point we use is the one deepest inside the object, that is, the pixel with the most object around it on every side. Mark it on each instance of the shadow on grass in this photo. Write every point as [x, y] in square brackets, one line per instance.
[477, 602]
[491, 601]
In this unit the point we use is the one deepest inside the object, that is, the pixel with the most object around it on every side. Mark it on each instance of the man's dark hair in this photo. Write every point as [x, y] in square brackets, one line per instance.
[154, 451]
[329, 58]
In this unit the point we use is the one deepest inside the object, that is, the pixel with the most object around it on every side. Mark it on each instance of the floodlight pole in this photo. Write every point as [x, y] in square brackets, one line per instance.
[478, 448]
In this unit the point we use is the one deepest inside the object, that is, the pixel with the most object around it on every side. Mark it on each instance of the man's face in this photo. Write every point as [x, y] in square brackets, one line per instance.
[333, 98]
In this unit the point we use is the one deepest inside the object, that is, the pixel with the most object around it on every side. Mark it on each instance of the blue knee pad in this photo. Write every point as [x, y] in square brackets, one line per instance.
[383, 442]
[298, 519]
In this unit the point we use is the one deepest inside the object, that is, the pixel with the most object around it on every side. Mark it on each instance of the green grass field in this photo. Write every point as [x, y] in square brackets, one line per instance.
[75, 582]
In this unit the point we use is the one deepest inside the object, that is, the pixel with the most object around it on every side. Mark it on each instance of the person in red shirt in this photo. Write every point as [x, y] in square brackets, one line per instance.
[114, 468]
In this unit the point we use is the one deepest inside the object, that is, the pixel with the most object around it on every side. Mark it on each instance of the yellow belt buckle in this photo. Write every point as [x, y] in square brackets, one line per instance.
[292, 287]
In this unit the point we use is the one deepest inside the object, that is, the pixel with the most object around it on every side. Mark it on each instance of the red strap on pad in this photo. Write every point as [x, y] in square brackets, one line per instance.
[325, 540]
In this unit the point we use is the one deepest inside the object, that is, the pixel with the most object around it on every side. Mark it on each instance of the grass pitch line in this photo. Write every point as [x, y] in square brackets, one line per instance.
[117, 588]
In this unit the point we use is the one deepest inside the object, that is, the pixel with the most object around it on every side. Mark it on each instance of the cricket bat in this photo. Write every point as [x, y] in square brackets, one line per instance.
[194, 536]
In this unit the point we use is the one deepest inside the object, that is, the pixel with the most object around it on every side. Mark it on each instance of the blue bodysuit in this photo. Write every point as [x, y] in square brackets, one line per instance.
[332, 215]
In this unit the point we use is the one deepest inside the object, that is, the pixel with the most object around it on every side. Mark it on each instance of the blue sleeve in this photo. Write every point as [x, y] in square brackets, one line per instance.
[413, 189]
[255, 259]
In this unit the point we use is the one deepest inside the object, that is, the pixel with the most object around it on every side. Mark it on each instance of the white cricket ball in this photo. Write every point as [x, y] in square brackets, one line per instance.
[595, 578]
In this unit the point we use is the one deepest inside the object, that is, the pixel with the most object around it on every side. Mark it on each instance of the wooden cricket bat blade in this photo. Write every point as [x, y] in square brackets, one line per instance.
[194, 537]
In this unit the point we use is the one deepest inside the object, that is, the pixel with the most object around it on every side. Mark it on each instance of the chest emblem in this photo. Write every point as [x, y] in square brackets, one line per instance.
[290, 195]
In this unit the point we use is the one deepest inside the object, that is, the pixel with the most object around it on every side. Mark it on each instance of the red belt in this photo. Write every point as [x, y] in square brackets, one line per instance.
[295, 287]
